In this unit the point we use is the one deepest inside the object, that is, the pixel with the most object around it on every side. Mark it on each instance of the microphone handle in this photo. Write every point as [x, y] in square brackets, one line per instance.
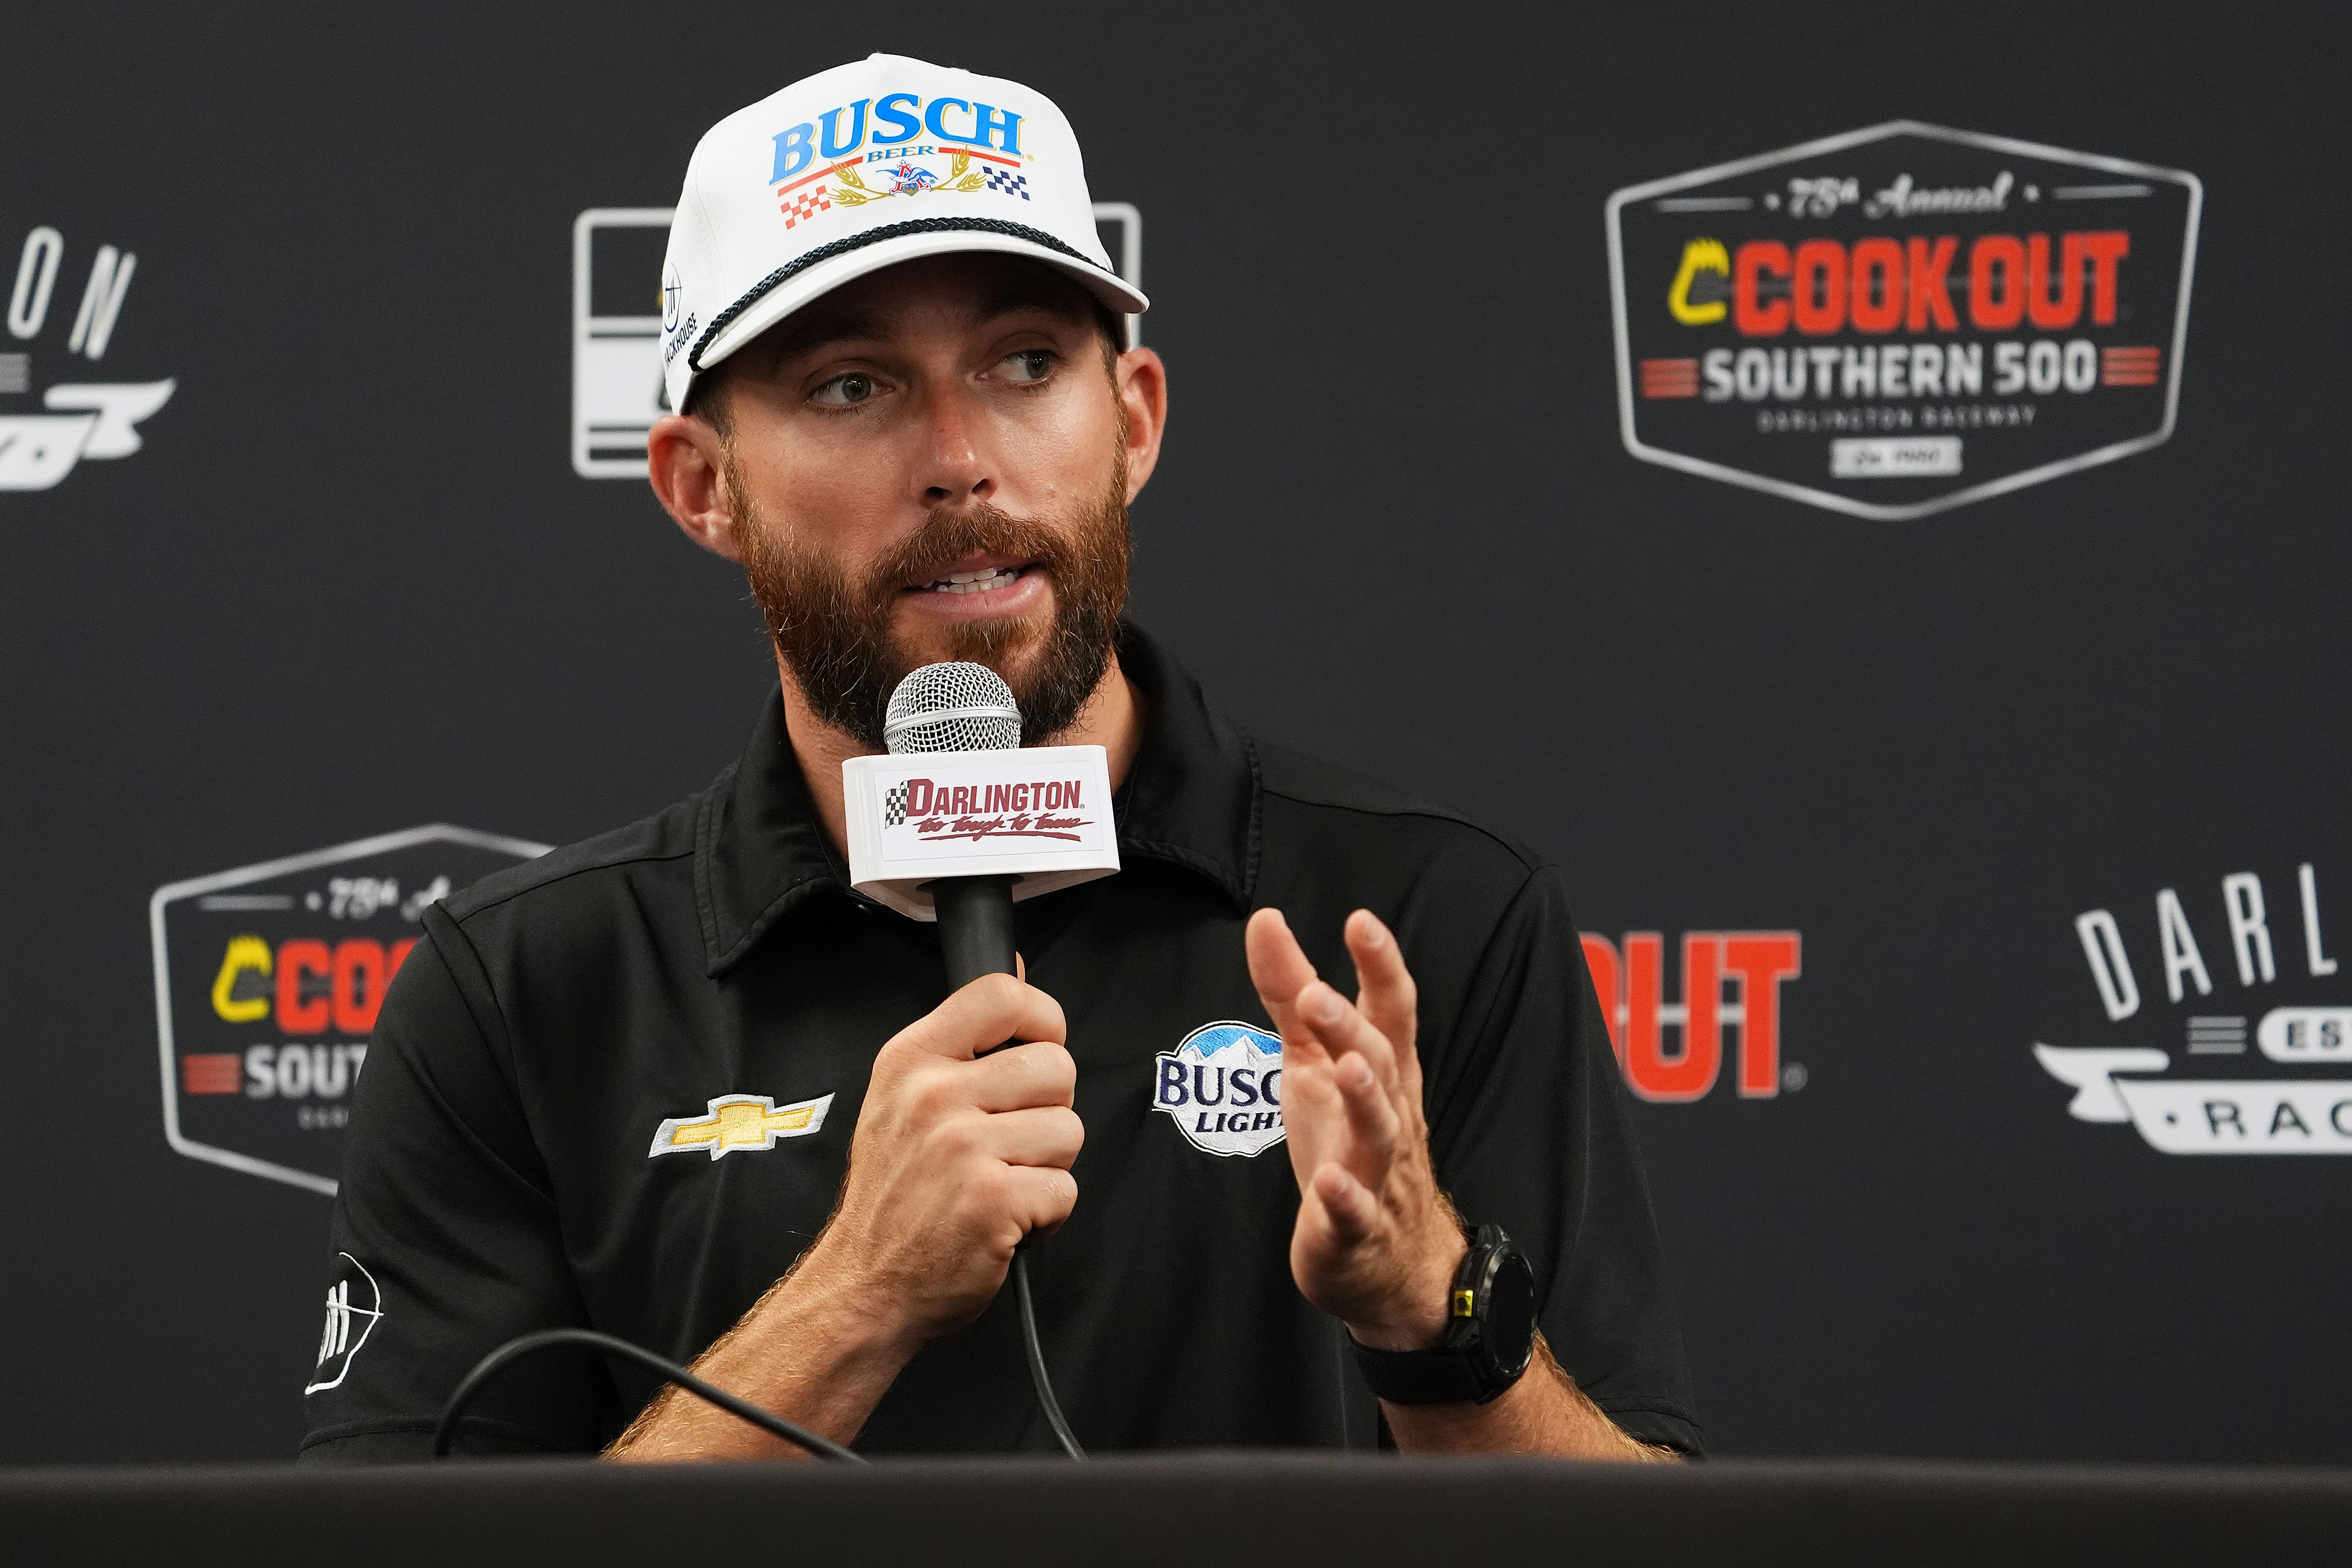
[975, 926]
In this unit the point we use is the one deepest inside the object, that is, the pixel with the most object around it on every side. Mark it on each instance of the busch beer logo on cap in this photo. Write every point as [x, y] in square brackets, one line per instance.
[1223, 1086]
[1901, 320]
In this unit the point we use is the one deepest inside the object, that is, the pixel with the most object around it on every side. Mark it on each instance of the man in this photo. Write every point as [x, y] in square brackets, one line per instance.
[908, 411]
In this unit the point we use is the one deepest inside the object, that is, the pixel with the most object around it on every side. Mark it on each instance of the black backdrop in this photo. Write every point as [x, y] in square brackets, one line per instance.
[350, 584]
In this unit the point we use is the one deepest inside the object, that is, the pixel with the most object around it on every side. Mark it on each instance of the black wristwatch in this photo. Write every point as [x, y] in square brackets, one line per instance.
[1490, 1333]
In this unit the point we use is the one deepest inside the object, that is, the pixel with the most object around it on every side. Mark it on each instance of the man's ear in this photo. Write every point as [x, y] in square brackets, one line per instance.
[686, 461]
[1143, 391]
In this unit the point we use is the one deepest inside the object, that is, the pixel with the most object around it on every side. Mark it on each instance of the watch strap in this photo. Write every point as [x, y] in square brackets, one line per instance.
[1442, 1375]
[1451, 1371]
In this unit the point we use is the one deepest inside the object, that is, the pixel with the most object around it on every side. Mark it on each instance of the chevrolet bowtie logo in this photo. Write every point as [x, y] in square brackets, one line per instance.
[740, 1122]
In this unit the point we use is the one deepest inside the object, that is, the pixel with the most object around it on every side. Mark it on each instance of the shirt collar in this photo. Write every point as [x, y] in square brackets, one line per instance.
[1191, 799]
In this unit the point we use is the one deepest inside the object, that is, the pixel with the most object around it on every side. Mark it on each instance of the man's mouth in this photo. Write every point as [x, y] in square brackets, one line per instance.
[976, 581]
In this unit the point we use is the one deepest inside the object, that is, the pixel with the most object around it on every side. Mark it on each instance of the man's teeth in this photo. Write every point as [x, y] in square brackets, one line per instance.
[974, 581]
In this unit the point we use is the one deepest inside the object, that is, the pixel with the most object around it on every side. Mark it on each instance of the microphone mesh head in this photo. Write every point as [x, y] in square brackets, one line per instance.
[951, 707]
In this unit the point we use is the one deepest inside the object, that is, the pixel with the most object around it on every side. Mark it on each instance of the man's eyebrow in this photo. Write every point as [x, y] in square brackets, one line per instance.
[1013, 298]
[827, 327]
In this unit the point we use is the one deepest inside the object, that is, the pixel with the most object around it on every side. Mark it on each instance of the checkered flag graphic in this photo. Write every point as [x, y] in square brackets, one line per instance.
[807, 204]
[894, 806]
[1011, 184]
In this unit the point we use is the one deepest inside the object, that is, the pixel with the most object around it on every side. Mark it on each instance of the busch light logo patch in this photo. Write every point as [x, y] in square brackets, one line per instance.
[1223, 1086]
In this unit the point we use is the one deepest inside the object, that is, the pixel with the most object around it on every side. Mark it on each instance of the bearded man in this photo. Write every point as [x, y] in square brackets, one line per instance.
[1271, 1213]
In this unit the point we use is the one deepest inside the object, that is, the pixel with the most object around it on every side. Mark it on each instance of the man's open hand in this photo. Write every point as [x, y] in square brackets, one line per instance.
[1376, 1244]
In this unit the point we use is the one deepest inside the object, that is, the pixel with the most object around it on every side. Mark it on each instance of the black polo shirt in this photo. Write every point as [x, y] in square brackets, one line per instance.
[515, 1159]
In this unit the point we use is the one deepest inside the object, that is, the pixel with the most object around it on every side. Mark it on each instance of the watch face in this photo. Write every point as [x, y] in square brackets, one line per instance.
[1510, 1327]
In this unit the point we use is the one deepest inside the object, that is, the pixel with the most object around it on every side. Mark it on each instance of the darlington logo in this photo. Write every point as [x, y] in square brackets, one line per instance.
[943, 814]
[85, 419]
[267, 981]
[1900, 319]
[2210, 1107]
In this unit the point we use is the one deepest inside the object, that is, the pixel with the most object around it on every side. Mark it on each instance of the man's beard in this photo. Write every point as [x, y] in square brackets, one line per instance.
[835, 635]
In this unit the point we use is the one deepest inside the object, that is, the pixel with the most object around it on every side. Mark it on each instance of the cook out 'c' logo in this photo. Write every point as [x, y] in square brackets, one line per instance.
[1901, 320]
[2210, 1107]
[1222, 1087]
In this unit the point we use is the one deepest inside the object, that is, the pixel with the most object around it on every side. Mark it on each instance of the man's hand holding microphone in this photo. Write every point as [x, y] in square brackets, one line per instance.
[963, 1148]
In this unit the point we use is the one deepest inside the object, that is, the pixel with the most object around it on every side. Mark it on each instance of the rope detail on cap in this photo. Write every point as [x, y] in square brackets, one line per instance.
[888, 231]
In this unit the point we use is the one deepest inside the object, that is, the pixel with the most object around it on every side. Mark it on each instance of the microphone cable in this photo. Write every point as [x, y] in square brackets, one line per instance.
[517, 1349]
[1044, 1384]
[530, 1345]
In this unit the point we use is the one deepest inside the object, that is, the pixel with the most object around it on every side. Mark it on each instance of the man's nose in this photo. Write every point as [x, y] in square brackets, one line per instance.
[957, 461]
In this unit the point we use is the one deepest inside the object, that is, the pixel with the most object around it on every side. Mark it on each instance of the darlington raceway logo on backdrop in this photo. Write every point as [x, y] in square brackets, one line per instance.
[1900, 319]
[55, 345]
[268, 979]
[2260, 974]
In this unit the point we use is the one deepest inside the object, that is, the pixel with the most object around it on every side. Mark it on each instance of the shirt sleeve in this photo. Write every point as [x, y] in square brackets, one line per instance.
[445, 1240]
[1530, 1129]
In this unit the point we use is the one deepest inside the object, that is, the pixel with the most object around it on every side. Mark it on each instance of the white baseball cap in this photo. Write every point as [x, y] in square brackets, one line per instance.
[856, 169]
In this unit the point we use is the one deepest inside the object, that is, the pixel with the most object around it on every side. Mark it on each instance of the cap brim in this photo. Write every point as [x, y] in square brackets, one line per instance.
[768, 309]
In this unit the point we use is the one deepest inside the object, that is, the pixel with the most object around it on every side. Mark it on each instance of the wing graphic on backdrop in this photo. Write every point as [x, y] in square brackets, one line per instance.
[95, 420]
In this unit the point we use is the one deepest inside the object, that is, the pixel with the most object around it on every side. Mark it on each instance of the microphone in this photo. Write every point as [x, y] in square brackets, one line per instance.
[962, 707]
[959, 821]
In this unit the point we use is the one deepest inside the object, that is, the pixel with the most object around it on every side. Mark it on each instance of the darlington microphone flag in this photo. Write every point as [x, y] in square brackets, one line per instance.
[1042, 815]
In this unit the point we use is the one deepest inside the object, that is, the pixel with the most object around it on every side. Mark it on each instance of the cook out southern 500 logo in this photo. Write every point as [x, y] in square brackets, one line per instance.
[2210, 1107]
[1630, 982]
[267, 982]
[1902, 319]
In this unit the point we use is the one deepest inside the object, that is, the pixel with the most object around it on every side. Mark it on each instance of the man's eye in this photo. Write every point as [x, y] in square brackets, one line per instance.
[1030, 365]
[844, 391]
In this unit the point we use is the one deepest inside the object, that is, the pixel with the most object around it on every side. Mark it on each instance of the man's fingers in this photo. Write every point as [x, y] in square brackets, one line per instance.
[983, 1015]
[1344, 1031]
[1351, 1213]
[1046, 1135]
[1277, 965]
[1384, 988]
[1039, 1198]
[1372, 1118]
[1042, 1072]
